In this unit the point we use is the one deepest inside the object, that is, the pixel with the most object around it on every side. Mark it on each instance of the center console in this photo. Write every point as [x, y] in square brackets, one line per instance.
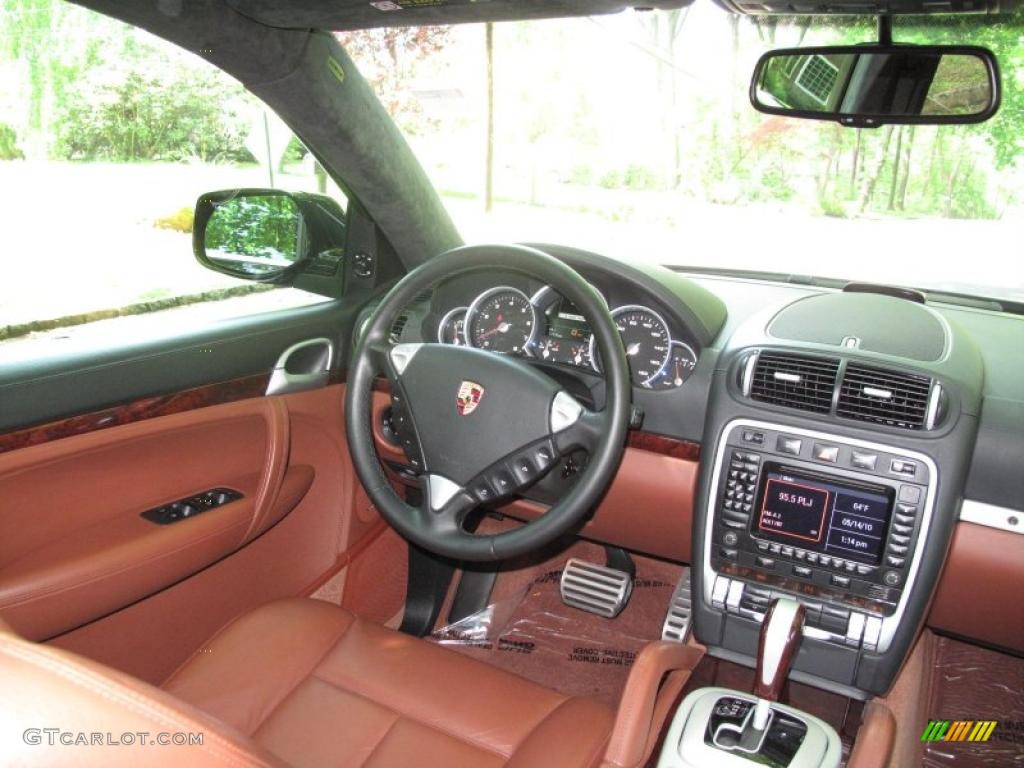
[831, 521]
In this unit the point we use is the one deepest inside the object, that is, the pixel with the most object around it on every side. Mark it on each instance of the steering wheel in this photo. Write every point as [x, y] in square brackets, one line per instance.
[483, 425]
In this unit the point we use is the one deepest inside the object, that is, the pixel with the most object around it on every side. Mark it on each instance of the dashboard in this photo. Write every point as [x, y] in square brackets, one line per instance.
[849, 444]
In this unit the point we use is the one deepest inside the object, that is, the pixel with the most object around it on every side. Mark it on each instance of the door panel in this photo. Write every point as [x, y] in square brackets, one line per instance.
[76, 546]
[46, 388]
[131, 428]
[151, 637]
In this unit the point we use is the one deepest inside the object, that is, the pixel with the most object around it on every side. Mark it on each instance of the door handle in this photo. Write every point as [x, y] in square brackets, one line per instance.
[306, 365]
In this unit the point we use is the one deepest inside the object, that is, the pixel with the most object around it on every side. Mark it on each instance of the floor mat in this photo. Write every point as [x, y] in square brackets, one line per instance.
[528, 630]
[974, 684]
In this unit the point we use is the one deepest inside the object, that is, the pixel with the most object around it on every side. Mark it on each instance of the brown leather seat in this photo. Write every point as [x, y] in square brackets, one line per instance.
[304, 683]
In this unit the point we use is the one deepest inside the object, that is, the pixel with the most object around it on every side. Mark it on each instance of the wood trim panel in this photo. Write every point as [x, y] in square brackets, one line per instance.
[666, 446]
[138, 410]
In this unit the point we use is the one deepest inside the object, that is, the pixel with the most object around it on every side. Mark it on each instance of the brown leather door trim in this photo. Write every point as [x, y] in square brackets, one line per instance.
[76, 547]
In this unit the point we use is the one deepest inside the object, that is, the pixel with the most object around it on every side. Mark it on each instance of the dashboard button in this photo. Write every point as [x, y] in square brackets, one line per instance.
[812, 557]
[829, 453]
[851, 567]
[776, 548]
[897, 550]
[789, 445]
[728, 554]
[800, 554]
[802, 571]
[787, 551]
[902, 530]
[840, 581]
[896, 562]
[901, 467]
[897, 539]
[910, 494]
[904, 519]
[838, 562]
[892, 578]
[731, 538]
[750, 436]
[733, 524]
[864, 570]
[863, 460]
[765, 562]
[763, 546]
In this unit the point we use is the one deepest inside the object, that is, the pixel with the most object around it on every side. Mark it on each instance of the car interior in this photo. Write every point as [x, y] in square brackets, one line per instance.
[520, 504]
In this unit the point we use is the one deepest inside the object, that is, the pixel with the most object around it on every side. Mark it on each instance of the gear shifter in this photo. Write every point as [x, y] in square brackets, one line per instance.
[780, 637]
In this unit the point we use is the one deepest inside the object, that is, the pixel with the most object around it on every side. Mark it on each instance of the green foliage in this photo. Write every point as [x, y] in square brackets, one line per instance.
[263, 226]
[9, 144]
[143, 117]
[640, 177]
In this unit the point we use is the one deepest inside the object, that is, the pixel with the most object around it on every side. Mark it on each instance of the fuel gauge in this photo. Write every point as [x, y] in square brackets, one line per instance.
[681, 362]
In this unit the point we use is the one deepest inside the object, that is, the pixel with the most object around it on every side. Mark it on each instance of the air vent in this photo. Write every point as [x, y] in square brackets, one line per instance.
[806, 383]
[884, 397]
[414, 307]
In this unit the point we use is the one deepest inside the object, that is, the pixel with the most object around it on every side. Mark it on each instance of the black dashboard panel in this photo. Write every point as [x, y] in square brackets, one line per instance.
[911, 331]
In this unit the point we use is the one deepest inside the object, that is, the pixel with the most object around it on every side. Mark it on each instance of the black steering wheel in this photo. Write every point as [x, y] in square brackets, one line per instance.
[482, 425]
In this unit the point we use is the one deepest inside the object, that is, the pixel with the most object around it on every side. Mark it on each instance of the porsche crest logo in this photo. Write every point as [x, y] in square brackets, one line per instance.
[469, 397]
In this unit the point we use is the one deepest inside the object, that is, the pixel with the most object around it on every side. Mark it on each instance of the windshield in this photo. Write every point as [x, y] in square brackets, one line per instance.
[633, 135]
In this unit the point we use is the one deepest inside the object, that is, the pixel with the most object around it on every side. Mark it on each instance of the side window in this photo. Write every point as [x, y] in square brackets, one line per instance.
[108, 135]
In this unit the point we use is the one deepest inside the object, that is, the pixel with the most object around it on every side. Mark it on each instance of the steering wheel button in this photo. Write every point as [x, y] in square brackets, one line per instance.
[482, 491]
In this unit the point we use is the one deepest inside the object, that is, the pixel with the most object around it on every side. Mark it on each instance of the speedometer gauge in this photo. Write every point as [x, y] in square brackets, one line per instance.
[681, 362]
[501, 320]
[647, 341]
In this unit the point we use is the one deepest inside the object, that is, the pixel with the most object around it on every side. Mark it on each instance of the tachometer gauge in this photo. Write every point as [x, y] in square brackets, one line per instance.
[501, 320]
[452, 328]
[647, 341]
[681, 362]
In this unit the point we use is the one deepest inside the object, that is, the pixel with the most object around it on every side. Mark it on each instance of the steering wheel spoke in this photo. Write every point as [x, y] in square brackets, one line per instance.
[445, 503]
[574, 426]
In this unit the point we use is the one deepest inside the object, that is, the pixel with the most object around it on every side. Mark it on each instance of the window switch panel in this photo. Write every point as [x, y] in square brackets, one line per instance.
[192, 506]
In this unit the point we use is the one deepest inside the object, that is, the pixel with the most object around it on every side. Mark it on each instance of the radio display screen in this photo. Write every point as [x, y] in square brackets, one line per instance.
[838, 517]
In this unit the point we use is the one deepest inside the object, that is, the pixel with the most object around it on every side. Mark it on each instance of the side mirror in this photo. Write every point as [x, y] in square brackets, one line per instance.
[268, 235]
[872, 85]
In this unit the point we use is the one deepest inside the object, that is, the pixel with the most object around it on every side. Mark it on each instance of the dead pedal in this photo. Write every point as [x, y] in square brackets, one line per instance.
[595, 588]
[680, 610]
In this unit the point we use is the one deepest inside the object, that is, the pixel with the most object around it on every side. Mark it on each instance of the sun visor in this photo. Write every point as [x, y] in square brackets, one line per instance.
[364, 14]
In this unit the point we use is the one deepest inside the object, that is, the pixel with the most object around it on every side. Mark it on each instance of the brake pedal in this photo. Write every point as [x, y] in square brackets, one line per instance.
[680, 609]
[595, 588]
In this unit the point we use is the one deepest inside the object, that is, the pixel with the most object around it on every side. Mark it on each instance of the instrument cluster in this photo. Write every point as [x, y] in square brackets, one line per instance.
[547, 327]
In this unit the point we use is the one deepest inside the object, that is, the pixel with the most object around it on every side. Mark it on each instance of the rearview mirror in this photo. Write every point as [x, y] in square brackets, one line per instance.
[872, 85]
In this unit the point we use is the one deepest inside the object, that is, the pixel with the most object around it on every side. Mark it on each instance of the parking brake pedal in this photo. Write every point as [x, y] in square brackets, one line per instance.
[595, 588]
[680, 609]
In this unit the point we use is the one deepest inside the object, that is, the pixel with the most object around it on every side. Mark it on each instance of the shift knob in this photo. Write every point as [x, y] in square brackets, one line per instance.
[780, 637]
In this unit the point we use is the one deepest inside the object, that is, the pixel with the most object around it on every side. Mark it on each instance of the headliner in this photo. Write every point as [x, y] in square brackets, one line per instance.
[365, 14]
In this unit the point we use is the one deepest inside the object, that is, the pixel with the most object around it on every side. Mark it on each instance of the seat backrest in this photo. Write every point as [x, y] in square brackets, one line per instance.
[57, 708]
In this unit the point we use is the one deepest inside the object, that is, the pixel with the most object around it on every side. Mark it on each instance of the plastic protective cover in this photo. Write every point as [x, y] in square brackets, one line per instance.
[531, 632]
[972, 685]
